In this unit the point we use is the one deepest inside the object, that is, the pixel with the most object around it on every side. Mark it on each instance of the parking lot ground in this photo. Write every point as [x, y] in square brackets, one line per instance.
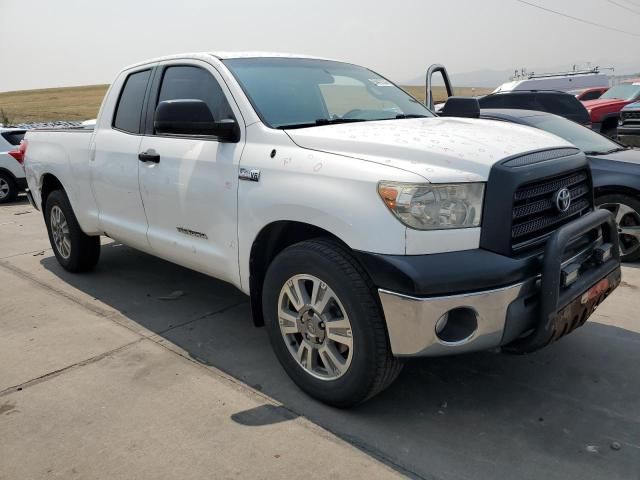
[87, 393]
[143, 369]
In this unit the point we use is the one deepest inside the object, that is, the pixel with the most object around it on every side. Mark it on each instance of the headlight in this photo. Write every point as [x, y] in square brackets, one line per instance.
[426, 206]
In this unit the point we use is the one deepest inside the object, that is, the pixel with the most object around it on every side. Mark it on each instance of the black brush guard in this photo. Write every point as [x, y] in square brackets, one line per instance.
[563, 309]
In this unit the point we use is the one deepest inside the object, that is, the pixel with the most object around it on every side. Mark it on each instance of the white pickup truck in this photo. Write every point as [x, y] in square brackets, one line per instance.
[363, 227]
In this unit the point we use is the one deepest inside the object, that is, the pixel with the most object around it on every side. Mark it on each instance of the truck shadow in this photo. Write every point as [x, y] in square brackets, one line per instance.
[552, 414]
[21, 199]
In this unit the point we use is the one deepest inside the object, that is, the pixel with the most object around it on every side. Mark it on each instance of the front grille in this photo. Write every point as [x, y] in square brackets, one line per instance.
[631, 116]
[535, 215]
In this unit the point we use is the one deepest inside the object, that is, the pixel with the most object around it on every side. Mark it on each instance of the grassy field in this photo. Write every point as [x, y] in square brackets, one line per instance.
[72, 103]
[440, 94]
[82, 103]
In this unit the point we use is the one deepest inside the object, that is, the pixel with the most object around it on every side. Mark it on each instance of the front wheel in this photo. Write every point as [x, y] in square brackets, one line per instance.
[75, 250]
[326, 325]
[627, 212]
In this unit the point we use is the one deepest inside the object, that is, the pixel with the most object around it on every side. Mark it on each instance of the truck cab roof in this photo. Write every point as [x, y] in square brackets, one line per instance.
[225, 55]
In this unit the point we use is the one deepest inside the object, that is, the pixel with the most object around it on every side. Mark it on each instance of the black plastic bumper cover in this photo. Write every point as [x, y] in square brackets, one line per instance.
[450, 273]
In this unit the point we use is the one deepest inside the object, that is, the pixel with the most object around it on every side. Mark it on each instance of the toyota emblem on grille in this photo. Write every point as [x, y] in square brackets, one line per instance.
[563, 199]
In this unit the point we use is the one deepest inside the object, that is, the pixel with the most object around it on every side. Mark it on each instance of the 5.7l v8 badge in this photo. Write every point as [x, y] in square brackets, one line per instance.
[251, 175]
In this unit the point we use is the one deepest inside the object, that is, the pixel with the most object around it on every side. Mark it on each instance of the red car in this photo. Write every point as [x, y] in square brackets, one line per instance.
[605, 111]
[591, 93]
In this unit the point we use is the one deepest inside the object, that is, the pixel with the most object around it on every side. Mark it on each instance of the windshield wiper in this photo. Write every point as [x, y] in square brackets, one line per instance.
[595, 152]
[333, 121]
[320, 122]
[410, 115]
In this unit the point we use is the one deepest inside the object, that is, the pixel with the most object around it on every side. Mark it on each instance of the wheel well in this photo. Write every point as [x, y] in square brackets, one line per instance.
[608, 123]
[271, 240]
[613, 189]
[49, 184]
[8, 172]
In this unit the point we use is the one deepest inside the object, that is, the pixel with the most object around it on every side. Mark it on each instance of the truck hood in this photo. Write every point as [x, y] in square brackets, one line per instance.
[438, 149]
[604, 102]
[632, 106]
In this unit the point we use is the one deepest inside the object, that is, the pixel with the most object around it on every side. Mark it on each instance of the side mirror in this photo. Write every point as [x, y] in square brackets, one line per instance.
[467, 107]
[192, 117]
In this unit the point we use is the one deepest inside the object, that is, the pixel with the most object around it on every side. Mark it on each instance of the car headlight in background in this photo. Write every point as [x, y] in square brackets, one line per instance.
[429, 206]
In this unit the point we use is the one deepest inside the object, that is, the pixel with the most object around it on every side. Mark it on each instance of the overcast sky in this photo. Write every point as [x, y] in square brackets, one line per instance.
[47, 43]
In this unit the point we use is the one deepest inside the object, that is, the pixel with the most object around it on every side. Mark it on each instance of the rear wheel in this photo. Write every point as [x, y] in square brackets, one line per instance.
[627, 212]
[8, 188]
[325, 324]
[75, 250]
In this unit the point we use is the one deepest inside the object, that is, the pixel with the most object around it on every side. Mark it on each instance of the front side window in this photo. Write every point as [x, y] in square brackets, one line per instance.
[297, 93]
[129, 109]
[187, 82]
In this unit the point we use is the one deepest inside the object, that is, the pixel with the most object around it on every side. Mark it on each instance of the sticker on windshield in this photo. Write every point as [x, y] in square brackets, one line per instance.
[380, 82]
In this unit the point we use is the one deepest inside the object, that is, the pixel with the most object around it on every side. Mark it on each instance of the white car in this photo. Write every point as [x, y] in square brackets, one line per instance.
[12, 178]
[364, 228]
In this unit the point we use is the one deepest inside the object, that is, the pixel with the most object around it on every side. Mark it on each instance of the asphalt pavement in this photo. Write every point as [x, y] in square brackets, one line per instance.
[144, 369]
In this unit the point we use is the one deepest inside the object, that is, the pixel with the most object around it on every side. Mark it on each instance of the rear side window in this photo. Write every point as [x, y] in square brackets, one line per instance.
[186, 82]
[129, 109]
[14, 137]
[492, 101]
[513, 100]
[591, 95]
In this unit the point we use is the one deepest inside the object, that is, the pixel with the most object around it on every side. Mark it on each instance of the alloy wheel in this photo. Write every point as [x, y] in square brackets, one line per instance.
[60, 232]
[315, 327]
[5, 189]
[628, 222]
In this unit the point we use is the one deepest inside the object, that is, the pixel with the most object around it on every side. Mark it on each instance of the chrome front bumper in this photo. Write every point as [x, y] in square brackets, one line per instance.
[411, 321]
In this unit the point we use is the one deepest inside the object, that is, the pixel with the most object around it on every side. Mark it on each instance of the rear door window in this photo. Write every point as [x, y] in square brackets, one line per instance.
[14, 137]
[129, 108]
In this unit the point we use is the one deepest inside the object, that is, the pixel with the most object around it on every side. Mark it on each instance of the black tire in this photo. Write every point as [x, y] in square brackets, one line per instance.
[372, 367]
[611, 132]
[628, 243]
[7, 181]
[84, 249]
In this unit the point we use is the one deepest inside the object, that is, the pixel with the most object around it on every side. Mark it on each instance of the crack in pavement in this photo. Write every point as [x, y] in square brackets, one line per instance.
[205, 315]
[158, 339]
[25, 253]
[60, 371]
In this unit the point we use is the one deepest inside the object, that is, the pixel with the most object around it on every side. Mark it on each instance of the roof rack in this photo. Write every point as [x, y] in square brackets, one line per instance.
[524, 75]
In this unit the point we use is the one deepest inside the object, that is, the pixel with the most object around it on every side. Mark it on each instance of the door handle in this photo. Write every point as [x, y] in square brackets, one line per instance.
[149, 156]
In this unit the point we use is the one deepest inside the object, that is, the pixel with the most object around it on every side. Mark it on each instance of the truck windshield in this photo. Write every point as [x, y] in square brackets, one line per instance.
[298, 93]
[587, 140]
[624, 92]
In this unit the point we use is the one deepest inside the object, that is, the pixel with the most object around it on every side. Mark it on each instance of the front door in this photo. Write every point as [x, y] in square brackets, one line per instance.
[189, 188]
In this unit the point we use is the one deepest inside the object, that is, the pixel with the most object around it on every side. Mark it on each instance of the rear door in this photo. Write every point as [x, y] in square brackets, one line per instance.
[114, 162]
[190, 194]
